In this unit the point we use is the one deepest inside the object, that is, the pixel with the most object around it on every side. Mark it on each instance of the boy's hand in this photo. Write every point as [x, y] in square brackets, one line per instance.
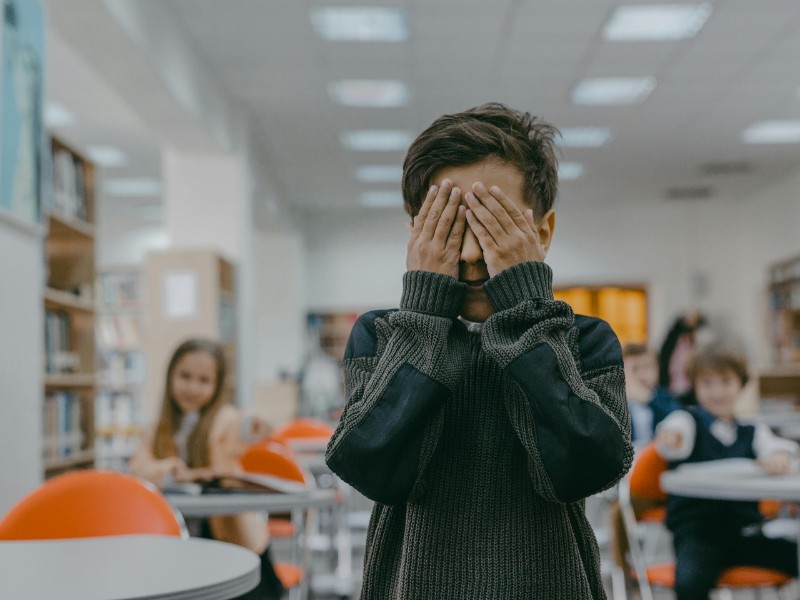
[507, 236]
[438, 230]
[667, 439]
[776, 464]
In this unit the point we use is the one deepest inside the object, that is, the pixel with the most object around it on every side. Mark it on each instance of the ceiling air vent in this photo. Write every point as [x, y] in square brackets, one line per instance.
[726, 168]
[700, 192]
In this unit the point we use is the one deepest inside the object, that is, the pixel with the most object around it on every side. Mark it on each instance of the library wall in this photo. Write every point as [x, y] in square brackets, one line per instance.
[21, 364]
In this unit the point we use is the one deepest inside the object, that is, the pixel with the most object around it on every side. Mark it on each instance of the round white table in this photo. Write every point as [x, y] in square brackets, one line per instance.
[209, 505]
[733, 479]
[138, 567]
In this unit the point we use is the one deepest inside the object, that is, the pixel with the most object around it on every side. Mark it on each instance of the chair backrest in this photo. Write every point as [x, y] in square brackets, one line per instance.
[272, 458]
[91, 504]
[304, 429]
[645, 475]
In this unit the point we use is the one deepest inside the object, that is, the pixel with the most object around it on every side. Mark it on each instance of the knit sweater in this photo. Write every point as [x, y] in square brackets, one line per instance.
[479, 449]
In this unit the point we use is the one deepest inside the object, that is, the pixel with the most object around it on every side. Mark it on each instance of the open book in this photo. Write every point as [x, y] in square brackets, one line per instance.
[238, 482]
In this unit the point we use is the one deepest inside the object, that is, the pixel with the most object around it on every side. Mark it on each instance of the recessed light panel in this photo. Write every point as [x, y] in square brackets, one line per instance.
[655, 22]
[142, 187]
[613, 90]
[360, 24]
[584, 137]
[106, 156]
[570, 171]
[380, 173]
[369, 92]
[772, 132]
[382, 199]
[376, 140]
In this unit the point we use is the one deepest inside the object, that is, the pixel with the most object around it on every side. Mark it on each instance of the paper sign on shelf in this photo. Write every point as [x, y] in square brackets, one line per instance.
[180, 295]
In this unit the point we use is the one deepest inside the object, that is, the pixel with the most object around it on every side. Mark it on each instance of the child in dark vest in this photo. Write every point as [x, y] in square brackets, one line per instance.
[712, 535]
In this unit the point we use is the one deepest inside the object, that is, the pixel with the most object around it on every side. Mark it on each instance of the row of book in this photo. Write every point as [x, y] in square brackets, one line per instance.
[121, 368]
[58, 357]
[120, 290]
[69, 185]
[61, 425]
[121, 332]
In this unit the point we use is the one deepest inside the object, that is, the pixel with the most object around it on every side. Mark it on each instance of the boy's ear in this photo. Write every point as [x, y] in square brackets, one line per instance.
[545, 229]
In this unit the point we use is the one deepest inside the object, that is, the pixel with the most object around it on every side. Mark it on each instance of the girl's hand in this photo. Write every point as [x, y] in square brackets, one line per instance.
[187, 475]
[776, 464]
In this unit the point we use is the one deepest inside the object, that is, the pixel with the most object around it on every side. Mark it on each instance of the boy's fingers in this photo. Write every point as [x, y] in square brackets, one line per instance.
[458, 229]
[486, 218]
[497, 210]
[419, 220]
[448, 215]
[508, 204]
[485, 239]
[436, 208]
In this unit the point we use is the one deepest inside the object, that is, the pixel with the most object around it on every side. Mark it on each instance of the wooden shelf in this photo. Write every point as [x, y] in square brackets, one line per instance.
[59, 299]
[70, 380]
[68, 227]
[83, 457]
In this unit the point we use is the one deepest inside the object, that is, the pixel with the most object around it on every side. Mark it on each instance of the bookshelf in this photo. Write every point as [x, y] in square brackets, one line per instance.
[119, 408]
[192, 293]
[69, 315]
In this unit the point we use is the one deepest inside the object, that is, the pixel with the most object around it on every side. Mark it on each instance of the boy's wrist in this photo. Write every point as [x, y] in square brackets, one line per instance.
[432, 293]
[519, 283]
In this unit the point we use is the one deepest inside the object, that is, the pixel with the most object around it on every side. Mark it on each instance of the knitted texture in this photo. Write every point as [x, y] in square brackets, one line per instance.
[483, 521]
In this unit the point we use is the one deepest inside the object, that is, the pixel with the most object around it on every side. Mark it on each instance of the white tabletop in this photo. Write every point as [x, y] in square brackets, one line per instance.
[126, 568]
[207, 505]
[734, 479]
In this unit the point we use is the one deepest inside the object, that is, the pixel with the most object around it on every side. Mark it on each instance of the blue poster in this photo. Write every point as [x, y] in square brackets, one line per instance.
[21, 129]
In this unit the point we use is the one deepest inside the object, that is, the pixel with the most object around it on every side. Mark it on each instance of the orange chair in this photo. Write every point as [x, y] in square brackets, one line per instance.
[304, 432]
[275, 459]
[91, 504]
[643, 482]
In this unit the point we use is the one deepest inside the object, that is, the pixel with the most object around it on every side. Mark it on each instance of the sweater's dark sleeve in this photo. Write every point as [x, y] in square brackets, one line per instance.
[398, 374]
[566, 398]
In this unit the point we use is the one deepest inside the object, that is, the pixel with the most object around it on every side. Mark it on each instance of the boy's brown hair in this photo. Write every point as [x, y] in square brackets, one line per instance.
[716, 359]
[487, 131]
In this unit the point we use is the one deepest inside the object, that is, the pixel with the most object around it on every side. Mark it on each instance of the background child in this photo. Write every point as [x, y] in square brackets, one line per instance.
[199, 435]
[648, 403]
[482, 412]
[707, 534]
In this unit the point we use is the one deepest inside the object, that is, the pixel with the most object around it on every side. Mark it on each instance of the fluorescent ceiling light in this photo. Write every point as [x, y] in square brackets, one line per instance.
[369, 92]
[360, 24]
[382, 199]
[584, 137]
[656, 22]
[380, 173]
[140, 187]
[570, 171]
[376, 140]
[613, 90]
[106, 156]
[56, 115]
[772, 132]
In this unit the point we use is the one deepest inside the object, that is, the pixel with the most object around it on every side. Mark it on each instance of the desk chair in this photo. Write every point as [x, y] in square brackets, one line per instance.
[91, 504]
[304, 430]
[643, 483]
[271, 458]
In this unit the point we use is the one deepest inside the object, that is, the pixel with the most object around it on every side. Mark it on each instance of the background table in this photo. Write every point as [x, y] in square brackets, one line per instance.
[209, 505]
[142, 567]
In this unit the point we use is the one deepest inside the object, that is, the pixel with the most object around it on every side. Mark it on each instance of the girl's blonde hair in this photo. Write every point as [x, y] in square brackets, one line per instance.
[170, 419]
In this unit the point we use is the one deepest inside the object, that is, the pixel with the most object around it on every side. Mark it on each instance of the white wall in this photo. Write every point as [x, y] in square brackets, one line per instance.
[21, 362]
[279, 304]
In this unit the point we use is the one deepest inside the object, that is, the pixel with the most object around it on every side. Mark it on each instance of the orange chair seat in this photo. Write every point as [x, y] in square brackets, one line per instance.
[663, 575]
[290, 575]
[654, 515]
[281, 528]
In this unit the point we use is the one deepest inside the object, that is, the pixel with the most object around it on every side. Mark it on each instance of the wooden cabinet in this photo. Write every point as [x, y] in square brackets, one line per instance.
[69, 313]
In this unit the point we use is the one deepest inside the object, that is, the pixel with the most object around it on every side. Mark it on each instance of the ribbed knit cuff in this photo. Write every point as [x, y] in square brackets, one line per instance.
[521, 282]
[432, 293]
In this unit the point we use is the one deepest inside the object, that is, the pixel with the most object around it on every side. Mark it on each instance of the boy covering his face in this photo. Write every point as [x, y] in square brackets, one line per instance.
[481, 412]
